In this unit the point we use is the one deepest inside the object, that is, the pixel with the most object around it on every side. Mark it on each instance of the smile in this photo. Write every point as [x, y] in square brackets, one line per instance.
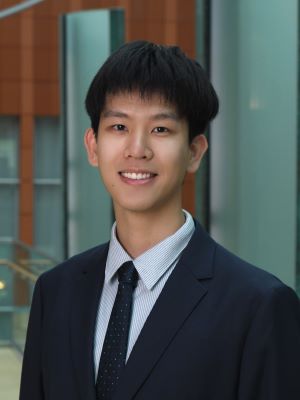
[137, 175]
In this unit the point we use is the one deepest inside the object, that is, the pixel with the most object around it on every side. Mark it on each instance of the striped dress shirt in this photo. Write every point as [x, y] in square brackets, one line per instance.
[154, 267]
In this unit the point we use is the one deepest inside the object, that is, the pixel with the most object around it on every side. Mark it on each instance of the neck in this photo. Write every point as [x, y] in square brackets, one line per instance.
[138, 232]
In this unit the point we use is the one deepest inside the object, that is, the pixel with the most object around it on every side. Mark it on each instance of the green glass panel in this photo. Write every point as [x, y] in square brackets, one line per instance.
[254, 140]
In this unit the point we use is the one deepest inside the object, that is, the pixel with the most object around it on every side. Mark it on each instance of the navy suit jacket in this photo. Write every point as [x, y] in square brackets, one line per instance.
[221, 329]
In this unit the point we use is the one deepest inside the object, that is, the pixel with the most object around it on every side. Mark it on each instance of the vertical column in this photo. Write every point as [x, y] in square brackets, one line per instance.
[26, 129]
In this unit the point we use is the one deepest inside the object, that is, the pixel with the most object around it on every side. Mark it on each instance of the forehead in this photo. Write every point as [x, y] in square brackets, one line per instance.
[134, 101]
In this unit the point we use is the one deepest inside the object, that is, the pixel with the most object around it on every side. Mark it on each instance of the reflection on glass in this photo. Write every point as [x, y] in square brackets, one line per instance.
[9, 133]
[20, 267]
[48, 187]
[8, 147]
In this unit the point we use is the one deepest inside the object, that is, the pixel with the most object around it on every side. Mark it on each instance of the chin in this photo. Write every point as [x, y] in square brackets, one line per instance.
[137, 208]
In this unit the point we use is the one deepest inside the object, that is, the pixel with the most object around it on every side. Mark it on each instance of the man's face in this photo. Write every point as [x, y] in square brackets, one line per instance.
[142, 152]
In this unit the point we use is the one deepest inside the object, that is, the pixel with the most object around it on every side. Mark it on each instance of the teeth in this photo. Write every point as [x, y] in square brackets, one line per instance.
[136, 176]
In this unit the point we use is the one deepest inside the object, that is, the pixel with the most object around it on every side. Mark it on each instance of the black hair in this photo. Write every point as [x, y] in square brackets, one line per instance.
[149, 69]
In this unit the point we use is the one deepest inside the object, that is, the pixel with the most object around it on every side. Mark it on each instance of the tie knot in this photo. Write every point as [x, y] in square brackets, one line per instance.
[128, 274]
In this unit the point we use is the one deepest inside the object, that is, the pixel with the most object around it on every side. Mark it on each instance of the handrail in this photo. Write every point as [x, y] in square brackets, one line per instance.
[31, 276]
[29, 248]
[19, 7]
[42, 261]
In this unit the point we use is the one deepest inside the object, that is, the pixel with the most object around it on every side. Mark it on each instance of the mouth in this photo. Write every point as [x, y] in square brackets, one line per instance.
[137, 177]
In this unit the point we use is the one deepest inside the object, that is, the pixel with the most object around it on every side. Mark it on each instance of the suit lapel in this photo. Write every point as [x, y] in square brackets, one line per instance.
[180, 296]
[87, 290]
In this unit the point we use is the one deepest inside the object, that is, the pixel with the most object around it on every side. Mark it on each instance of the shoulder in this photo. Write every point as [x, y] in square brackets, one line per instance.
[77, 264]
[232, 270]
[245, 293]
[255, 290]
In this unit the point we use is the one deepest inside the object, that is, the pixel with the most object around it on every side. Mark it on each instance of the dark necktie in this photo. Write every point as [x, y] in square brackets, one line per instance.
[113, 356]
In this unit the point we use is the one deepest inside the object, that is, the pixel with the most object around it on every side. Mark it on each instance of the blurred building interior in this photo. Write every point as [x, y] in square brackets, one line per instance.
[53, 205]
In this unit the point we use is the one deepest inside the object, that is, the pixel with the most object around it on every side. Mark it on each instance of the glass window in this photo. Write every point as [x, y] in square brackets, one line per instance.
[8, 147]
[48, 187]
[48, 149]
[253, 144]
[9, 182]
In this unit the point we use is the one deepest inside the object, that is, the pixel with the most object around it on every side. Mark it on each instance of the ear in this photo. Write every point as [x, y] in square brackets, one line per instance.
[198, 148]
[90, 143]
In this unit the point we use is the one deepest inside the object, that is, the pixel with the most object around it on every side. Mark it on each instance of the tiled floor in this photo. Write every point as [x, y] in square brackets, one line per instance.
[10, 371]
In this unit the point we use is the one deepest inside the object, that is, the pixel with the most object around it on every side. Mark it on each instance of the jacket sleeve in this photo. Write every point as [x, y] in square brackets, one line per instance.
[270, 365]
[31, 378]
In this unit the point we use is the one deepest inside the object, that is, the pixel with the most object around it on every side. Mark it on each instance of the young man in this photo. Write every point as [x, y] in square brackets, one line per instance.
[161, 312]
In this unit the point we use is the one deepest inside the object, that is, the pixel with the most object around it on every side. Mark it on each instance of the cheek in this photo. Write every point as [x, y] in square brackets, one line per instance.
[105, 152]
[103, 161]
[109, 147]
[178, 158]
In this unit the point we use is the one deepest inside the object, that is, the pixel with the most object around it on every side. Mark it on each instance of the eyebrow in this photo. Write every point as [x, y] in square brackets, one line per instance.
[163, 115]
[112, 113]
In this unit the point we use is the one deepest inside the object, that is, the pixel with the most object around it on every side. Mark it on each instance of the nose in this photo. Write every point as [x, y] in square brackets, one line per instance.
[138, 147]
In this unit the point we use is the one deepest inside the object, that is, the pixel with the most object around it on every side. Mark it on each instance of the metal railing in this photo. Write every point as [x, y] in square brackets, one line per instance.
[18, 8]
[20, 267]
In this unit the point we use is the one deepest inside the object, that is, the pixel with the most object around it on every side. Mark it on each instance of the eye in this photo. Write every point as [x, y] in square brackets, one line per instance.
[160, 129]
[119, 127]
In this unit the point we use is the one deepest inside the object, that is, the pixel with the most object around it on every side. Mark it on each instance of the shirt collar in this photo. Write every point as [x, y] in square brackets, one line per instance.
[153, 263]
